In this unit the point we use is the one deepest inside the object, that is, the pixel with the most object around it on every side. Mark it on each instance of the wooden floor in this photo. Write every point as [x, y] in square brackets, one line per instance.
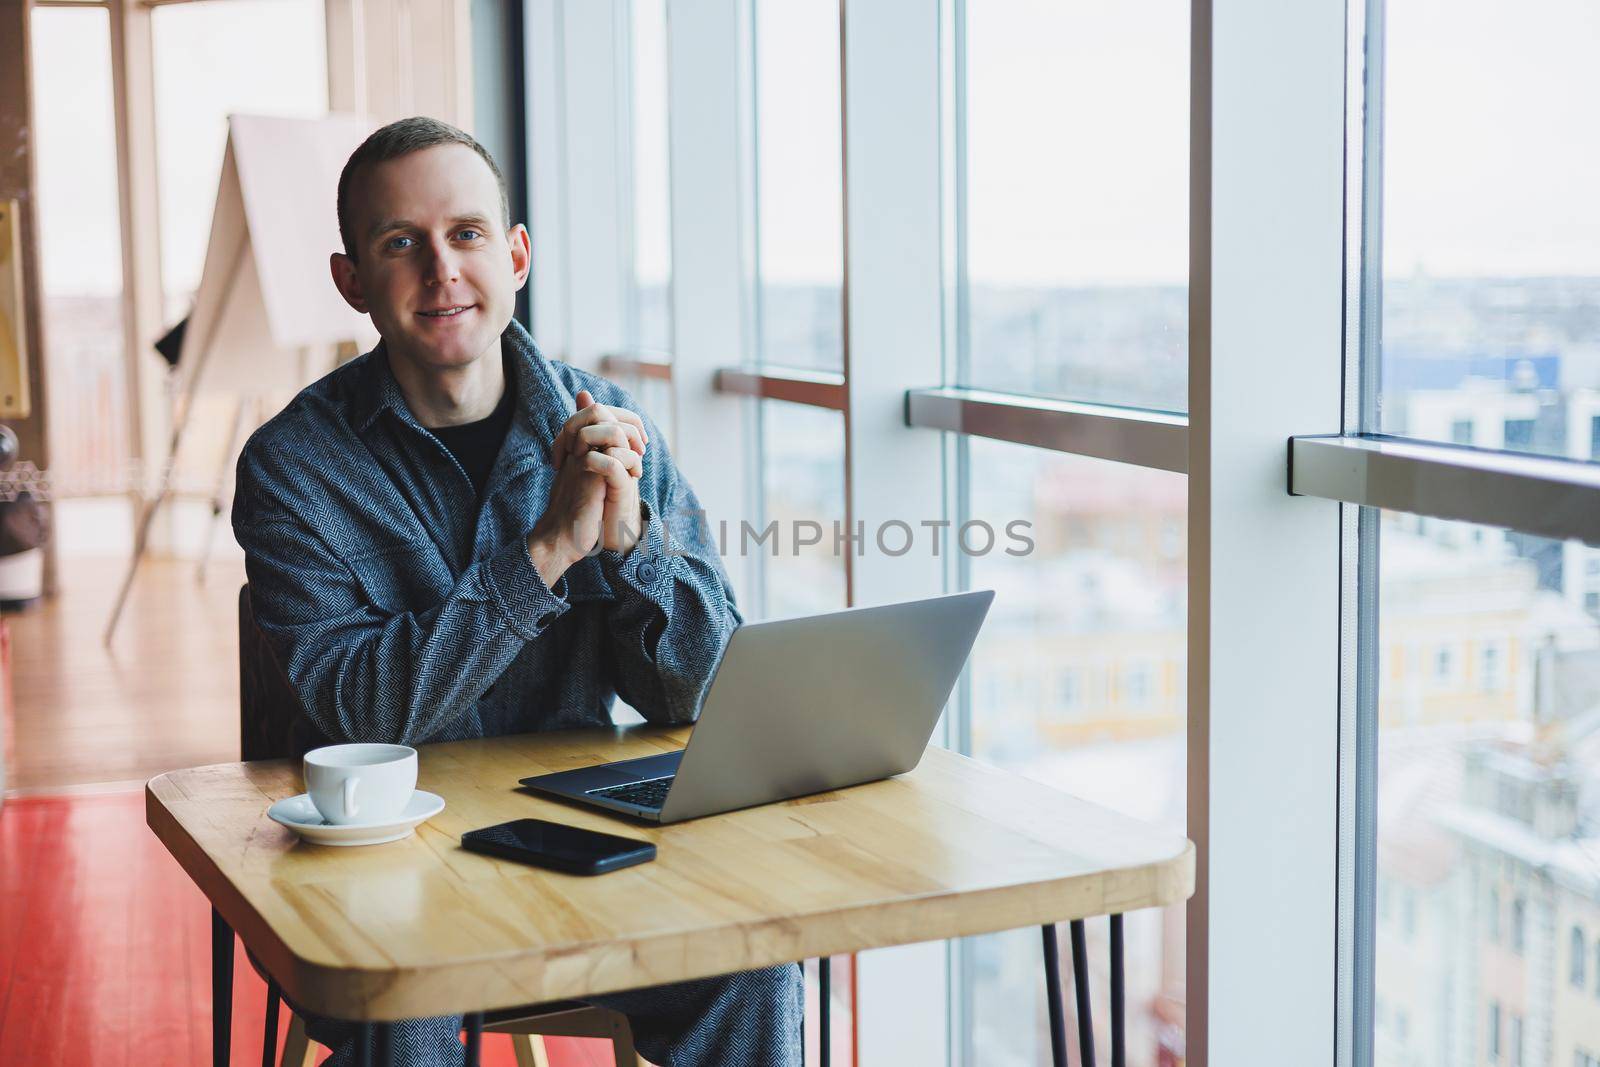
[104, 941]
[164, 695]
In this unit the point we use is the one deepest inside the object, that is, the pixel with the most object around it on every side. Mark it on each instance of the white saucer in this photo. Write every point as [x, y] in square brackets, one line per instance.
[301, 816]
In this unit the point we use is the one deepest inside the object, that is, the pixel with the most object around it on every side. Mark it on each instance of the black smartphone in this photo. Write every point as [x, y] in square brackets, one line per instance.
[560, 848]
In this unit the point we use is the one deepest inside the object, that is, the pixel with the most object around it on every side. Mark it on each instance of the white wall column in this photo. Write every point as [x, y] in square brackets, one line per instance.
[1265, 362]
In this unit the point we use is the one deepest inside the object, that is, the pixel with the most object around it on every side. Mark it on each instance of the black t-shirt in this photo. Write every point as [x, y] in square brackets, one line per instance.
[476, 444]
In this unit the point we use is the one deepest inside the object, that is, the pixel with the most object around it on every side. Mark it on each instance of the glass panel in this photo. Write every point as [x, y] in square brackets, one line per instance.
[803, 573]
[1076, 175]
[80, 250]
[799, 184]
[1078, 680]
[802, 480]
[1488, 868]
[652, 228]
[1491, 231]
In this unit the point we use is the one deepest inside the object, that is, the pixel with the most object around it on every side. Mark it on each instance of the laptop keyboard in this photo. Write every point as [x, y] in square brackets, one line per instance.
[650, 794]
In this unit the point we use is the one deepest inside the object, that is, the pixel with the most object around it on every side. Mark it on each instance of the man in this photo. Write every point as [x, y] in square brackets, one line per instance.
[452, 537]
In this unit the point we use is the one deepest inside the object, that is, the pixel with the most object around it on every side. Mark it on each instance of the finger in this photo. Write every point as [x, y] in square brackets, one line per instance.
[584, 399]
[630, 459]
[623, 415]
[592, 415]
[611, 469]
[607, 434]
[616, 414]
[586, 415]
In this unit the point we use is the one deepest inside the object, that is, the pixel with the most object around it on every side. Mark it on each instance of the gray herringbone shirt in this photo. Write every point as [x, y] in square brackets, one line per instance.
[403, 609]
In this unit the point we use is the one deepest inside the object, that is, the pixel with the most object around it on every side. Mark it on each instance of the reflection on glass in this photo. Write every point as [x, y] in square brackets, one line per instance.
[802, 482]
[799, 184]
[1078, 680]
[1491, 230]
[652, 227]
[1488, 874]
[1076, 228]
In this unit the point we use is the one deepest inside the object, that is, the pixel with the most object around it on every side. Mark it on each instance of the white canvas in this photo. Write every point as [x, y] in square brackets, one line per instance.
[266, 314]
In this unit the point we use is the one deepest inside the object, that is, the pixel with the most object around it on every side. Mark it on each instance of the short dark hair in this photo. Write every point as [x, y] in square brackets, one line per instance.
[401, 138]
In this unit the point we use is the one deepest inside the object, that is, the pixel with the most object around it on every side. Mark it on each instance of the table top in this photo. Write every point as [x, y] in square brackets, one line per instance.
[422, 927]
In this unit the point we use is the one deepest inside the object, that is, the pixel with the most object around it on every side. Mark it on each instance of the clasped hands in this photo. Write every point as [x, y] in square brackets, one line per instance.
[598, 456]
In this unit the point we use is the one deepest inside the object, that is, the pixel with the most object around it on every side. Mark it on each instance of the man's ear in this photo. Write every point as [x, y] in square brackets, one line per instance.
[521, 252]
[345, 280]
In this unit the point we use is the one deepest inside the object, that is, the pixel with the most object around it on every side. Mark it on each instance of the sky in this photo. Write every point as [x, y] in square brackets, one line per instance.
[1077, 124]
[1492, 148]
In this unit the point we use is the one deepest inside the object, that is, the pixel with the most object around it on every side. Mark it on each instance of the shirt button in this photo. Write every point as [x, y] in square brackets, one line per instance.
[648, 573]
[546, 619]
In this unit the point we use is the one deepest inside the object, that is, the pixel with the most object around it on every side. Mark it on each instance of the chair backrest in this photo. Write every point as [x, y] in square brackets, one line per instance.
[271, 724]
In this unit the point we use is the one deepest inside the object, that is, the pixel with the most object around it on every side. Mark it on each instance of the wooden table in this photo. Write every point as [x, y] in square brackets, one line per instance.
[421, 927]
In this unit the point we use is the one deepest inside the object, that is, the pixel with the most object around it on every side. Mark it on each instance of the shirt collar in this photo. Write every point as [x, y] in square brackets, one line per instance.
[543, 403]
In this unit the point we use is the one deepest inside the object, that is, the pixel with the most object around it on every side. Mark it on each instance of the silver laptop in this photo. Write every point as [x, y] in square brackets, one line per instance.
[799, 706]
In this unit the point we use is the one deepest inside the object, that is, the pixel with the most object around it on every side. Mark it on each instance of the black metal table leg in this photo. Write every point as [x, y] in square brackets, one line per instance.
[221, 990]
[473, 1022]
[1052, 990]
[824, 996]
[1118, 1002]
[1080, 982]
[269, 1039]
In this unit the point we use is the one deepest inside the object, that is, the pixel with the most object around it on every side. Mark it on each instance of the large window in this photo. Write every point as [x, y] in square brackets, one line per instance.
[650, 264]
[795, 245]
[1490, 232]
[1486, 700]
[81, 258]
[1481, 648]
[799, 180]
[1066, 149]
[1078, 680]
[1384, 670]
[1075, 182]
[803, 553]
[644, 365]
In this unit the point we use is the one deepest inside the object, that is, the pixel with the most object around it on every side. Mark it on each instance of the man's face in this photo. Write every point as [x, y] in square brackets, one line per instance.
[434, 266]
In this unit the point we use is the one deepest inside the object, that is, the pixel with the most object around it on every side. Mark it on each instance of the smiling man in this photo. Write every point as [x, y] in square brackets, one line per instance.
[452, 536]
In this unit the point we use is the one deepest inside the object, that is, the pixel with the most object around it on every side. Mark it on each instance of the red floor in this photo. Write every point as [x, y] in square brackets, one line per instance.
[105, 948]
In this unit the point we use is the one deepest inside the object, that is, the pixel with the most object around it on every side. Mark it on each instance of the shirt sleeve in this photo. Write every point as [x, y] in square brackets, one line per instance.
[674, 609]
[365, 675]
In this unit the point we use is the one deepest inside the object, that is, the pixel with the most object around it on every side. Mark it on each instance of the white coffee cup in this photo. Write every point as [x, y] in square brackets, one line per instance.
[361, 783]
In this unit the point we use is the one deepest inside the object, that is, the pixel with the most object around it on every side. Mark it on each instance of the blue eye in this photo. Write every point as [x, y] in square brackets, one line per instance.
[394, 242]
[469, 235]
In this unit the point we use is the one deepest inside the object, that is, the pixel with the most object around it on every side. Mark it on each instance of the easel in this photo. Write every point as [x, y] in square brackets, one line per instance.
[266, 316]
